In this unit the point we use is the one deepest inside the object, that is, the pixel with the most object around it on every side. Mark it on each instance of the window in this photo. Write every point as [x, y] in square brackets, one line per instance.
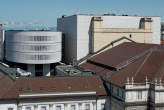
[139, 94]
[112, 89]
[10, 109]
[58, 107]
[43, 108]
[73, 107]
[102, 106]
[39, 70]
[122, 94]
[28, 108]
[117, 91]
[87, 106]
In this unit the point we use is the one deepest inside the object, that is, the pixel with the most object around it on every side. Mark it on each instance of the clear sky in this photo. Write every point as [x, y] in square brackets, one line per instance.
[47, 11]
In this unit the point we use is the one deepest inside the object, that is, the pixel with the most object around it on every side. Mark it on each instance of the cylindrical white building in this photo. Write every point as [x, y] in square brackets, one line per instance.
[33, 48]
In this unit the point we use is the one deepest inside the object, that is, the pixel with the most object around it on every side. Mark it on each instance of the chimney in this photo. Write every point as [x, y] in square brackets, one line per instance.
[146, 23]
[96, 22]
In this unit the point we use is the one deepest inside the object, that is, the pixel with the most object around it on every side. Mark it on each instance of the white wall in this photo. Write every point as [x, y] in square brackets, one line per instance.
[83, 35]
[4, 105]
[132, 96]
[156, 26]
[64, 103]
[120, 22]
[159, 97]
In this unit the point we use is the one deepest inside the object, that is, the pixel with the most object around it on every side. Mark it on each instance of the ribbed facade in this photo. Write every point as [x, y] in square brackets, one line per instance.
[33, 47]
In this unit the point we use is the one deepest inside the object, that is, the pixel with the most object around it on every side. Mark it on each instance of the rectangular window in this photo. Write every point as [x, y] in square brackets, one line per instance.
[73, 107]
[102, 106]
[58, 107]
[43, 108]
[10, 109]
[122, 94]
[139, 94]
[87, 106]
[117, 91]
[28, 108]
[112, 89]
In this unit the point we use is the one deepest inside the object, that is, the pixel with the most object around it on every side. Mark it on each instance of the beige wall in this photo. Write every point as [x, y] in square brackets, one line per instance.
[103, 36]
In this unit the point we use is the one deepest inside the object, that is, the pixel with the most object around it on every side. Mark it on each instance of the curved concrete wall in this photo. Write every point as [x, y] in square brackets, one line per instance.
[33, 47]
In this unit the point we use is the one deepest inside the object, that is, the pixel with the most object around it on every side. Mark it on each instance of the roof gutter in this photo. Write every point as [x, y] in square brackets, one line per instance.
[57, 94]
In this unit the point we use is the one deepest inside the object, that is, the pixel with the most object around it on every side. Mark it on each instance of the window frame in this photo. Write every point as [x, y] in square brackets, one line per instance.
[103, 106]
[139, 95]
[85, 107]
[28, 107]
[10, 108]
[73, 105]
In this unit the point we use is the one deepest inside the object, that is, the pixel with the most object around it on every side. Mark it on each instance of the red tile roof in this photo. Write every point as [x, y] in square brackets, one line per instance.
[5, 84]
[148, 62]
[46, 85]
[115, 56]
[151, 66]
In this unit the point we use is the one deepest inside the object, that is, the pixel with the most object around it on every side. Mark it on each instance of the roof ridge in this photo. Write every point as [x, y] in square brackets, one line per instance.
[148, 55]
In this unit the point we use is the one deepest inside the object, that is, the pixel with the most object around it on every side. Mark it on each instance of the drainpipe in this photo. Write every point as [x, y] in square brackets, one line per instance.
[96, 101]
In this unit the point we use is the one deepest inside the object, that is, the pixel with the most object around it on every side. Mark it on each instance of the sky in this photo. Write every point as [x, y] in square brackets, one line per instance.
[47, 11]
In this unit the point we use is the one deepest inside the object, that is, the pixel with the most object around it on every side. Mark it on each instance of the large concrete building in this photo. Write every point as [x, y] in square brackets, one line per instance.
[34, 51]
[85, 34]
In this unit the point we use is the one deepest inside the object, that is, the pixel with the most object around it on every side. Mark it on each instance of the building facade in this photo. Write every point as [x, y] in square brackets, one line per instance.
[102, 36]
[53, 93]
[79, 40]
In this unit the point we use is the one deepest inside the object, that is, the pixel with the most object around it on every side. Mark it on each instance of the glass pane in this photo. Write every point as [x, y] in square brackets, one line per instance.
[28, 108]
[58, 107]
[102, 106]
[87, 106]
[43, 107]
[73, 107]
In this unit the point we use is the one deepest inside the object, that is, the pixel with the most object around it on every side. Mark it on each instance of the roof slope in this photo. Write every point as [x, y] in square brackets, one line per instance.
[151, 66]
[44, 85]
[5, 83]
[137, 60]
[117, 55]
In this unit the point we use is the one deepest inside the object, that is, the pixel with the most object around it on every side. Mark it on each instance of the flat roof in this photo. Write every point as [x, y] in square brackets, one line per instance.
[107, 15]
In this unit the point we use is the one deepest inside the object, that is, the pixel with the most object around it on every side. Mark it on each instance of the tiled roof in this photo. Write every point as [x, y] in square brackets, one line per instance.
[5, 84]
[113, 57]
[151, 66]
[45, 85]
[148, 61]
